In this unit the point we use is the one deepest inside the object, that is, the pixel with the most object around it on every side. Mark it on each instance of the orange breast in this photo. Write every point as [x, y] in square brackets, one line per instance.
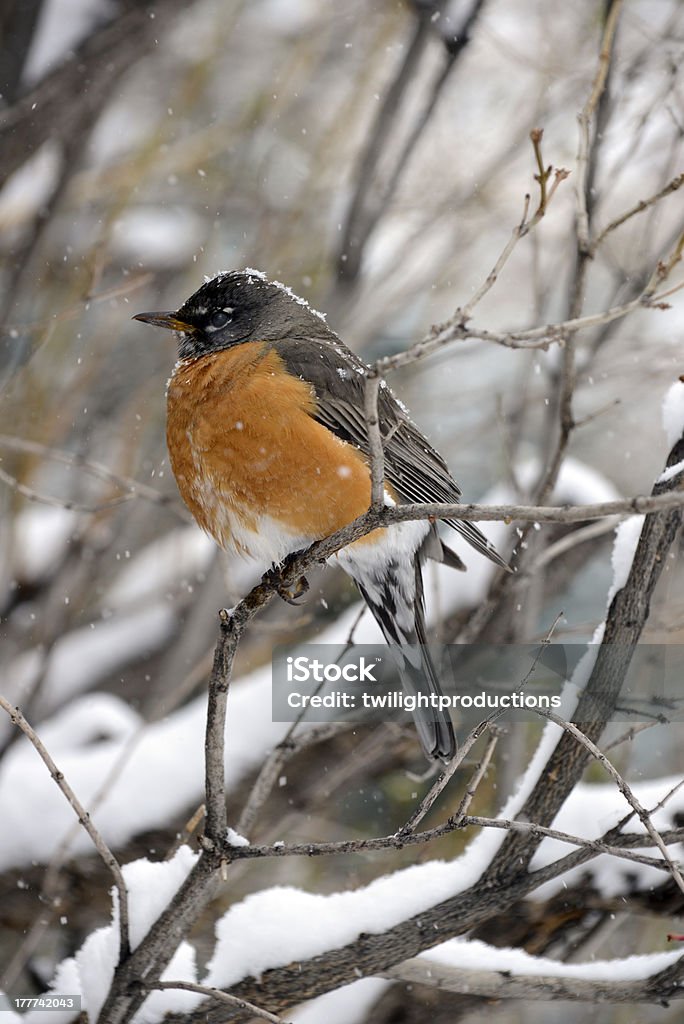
[256, 470]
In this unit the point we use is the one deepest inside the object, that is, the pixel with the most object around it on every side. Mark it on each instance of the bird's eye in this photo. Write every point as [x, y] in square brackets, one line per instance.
[220, 318]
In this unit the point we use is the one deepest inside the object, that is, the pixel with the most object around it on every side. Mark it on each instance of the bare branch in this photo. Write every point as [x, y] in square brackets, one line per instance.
[219, 683]
[66, 503]
[585, 120]
[523, 228]
[221, 997]
[620, 846]
[505, 984]
[96, 469]
[533, 338]
[642, 205]
[375, 441]
[444, 779]
[627, 615]
[289, 746]
[105, 853]
[623, 786]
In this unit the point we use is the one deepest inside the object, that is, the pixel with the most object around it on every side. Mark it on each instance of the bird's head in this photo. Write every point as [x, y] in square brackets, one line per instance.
[236, 307]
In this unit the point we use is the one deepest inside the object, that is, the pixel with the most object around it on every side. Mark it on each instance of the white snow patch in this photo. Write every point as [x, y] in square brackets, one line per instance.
[673, 412]
[29, 188]
[627, 536]
[670, 472]
[350, 1004]
[162, 774]
[234, 838]
[85, 656]
[151, 886]
[475, 955]
[160, 237]
[41, 537]
[62, 25]
[178, 555]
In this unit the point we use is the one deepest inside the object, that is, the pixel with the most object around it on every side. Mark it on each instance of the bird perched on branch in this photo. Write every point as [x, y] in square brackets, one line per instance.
[268, 442]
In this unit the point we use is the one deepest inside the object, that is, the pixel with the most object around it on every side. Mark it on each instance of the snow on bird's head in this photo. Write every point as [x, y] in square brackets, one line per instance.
[250, 276]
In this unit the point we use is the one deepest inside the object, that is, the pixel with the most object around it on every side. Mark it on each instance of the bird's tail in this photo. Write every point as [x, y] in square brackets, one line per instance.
[396, 601]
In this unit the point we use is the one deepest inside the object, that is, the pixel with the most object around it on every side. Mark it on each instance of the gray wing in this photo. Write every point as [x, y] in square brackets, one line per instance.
[412, 466]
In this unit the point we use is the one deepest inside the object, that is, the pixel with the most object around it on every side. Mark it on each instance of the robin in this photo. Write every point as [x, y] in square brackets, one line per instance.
[268, 442]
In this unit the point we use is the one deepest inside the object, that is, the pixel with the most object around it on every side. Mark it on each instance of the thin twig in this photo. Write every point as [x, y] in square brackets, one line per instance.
[624, 788]
[441, 783]
[585, 119]
[633, 731]
[96, 469]
[620, 846]
[288, 747]
[479, 773]
[523, 228]
[532, 338]
[221, 997]
[573, 540]
[644, 204]
[66, 503]
[105, 853]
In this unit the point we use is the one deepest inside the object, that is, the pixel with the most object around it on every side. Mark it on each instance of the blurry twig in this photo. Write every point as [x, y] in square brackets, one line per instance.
[370, 199]
[573, 540]
[633, 731]
[66, 503]
[96, 469]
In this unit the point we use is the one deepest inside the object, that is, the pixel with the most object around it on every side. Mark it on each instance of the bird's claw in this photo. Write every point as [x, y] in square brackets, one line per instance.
[294, 594]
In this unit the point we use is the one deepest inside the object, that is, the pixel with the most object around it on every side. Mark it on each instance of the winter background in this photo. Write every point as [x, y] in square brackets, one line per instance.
[231, 135]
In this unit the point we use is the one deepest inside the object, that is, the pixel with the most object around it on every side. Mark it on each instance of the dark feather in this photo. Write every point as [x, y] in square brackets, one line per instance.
[412, 466]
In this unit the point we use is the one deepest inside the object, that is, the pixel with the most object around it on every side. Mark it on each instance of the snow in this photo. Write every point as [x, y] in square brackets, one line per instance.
[670, 472]
[41, 537]
[27, 190]
[234, 838]
[150, 887]
[273, 927]
[578, 483]
[627, 536]
[259, 274]
[350, 1004]
[474, 955]
[673, 412]
[162, 774]
[62, 25]
[163, 238]
[83, 657]
[178, 555]
[611, 877]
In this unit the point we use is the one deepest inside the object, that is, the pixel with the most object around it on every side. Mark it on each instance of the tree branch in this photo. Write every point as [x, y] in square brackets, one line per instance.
[105, 853]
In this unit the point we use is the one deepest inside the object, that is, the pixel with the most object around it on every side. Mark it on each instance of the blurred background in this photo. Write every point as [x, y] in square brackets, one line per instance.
[375, 157]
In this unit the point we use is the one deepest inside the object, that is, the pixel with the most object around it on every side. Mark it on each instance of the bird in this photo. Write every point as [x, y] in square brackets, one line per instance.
[268, 441]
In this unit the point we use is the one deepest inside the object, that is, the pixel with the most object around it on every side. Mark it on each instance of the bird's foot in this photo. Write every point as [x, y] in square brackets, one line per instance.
[294, 594]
